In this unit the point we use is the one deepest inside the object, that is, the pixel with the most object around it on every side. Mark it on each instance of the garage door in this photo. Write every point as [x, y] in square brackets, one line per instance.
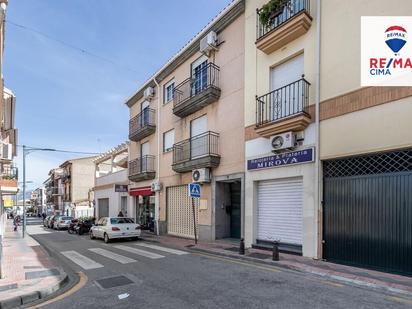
[368, 211]
[180, 213]
[279, 211]
[103, 206]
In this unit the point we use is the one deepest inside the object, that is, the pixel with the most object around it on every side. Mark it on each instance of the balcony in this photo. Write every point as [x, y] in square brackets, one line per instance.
[284, 26]
[9, 176]
[284, 109]
[142, 168]
[142, 125]
[57, 191]
[197, 91]
[197, 152]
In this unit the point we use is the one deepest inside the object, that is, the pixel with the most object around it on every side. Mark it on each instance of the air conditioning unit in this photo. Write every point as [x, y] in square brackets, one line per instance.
[148, 93]
[156, 186]
[201, 175]
[282, 141]
[6, 152]
[208, 43]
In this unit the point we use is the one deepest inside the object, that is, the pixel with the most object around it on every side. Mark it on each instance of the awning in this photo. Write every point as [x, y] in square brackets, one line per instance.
[145, 191]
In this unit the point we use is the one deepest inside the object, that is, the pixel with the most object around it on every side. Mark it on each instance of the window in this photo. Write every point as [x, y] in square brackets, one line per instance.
[168, 91]
[121, 221]
[168, 140]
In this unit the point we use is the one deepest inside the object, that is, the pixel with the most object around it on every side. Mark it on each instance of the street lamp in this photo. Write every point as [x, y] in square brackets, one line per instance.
[26, 151]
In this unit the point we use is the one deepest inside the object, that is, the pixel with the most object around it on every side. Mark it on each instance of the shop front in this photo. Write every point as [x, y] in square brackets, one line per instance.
[144, 207]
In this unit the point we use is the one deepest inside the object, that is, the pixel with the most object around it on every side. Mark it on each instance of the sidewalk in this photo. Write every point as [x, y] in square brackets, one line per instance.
[345, 274]
[27, 270]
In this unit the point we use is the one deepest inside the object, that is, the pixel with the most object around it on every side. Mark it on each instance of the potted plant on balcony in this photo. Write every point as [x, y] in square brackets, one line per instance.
[271, 10]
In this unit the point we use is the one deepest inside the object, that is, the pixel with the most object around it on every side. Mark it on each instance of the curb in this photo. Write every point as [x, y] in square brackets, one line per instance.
[29, 297]
[342, 279]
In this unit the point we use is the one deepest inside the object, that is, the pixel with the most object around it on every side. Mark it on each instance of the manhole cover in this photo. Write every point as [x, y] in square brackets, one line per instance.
[259, 256]
[112, 282]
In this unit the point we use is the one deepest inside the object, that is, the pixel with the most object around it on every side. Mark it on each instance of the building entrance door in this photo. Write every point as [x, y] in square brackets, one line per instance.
[145, 212]
[235, 214]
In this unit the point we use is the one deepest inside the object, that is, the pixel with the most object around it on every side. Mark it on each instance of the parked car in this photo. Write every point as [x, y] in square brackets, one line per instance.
[62, 222]
[51, 221]
[46, 221]
[110, 228]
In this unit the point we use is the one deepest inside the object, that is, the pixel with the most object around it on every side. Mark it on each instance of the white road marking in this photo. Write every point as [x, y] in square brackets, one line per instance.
[147, 254]
[111, 255]
[36, 230]
[159, 248]
[81, 260]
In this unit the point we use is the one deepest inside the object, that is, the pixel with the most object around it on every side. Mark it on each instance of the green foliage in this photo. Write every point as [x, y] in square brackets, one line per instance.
[271, 10]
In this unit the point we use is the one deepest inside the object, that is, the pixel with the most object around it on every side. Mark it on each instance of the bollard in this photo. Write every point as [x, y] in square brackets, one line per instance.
[275, 251]
[242, 247]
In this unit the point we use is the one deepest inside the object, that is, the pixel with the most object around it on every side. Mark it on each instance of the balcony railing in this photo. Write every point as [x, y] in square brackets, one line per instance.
[291, 9]
[9, 172]
[142, 168]
[142, 125]
[281, 103]
[199, 151]
[197, 91]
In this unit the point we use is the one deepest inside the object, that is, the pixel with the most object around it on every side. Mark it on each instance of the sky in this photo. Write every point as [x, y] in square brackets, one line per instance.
[67, 99]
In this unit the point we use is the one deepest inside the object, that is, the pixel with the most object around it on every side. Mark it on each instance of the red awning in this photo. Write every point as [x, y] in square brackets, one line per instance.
[145, 191]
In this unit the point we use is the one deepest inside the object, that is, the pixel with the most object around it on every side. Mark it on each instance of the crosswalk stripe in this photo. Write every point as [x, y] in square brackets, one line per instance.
[81, 260]
[169, 250]
[147, 254]
[111, 255]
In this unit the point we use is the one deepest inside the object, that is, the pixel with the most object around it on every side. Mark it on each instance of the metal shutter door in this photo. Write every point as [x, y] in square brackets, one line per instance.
[103, 206]
[179, 212]
[279, 211]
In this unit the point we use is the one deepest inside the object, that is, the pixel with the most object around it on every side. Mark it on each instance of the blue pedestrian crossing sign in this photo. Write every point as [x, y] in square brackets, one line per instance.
[194, 190]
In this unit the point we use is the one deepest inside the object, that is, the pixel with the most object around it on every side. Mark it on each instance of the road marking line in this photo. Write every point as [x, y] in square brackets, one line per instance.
[230, 260]
[82, 282]
[169, 250]
[81, 260]
[111, 255]
[147, 254]
[400, 300]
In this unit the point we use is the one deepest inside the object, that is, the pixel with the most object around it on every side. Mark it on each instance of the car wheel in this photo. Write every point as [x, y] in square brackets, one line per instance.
[106, 238]
[91, 235]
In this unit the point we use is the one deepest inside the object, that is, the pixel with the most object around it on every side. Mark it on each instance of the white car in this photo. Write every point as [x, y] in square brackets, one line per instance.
[115, 227]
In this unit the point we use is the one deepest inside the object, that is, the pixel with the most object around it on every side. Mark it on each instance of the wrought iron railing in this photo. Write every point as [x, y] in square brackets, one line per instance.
[291, 8]
[194, 85]
[205, 144]
[145, 118]
[9, 172]
[145, 164]
[286, 101]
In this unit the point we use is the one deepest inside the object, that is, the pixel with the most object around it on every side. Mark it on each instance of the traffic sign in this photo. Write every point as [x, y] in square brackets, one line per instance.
[194, 190]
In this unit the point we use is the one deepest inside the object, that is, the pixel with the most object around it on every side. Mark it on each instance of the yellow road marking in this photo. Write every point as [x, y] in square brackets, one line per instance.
[229, 260]
[82, 282]
[400, 300]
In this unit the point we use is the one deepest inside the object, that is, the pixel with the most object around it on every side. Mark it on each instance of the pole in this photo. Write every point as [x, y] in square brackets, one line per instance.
[24, 190]
[194, 219]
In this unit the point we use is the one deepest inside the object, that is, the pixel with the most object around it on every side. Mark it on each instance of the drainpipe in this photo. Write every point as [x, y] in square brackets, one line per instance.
[157, 194]
[318, 175]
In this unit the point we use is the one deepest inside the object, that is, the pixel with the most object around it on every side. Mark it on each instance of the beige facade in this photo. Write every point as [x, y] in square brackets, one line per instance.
[225, 67]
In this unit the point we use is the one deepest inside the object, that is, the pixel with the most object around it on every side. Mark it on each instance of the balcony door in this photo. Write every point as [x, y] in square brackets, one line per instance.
[198, 140]
[144, 107]
[286, 96]
[199, 75]
[144, 152]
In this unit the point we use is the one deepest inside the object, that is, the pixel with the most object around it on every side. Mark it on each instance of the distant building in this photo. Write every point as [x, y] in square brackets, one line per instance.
[111, 183]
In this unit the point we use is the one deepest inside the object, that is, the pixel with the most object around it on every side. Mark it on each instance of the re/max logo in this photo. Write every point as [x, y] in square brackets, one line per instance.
[383, 66]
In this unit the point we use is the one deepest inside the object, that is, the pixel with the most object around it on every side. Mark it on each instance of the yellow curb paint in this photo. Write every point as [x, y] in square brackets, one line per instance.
[229, 260]
[400, 300]
[82, 282]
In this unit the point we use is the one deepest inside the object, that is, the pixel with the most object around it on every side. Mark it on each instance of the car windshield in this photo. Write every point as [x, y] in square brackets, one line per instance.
[66, 218]
[120, 220]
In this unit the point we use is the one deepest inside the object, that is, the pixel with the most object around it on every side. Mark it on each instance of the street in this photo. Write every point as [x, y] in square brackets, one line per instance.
[149, 275]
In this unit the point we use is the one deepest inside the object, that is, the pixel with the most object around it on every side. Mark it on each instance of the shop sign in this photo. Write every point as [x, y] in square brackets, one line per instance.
[282, 159]
[121, 188]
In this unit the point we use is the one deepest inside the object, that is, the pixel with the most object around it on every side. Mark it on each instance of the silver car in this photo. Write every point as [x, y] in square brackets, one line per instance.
[62, 222]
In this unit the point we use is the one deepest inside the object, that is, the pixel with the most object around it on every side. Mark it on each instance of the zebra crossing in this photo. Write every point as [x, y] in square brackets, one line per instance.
[88, 263]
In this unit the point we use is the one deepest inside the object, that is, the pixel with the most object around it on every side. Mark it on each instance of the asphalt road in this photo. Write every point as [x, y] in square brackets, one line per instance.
[154, 278]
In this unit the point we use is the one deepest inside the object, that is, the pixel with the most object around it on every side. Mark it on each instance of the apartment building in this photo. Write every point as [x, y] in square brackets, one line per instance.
[38, 200]
[328, 161]
[111, 182]
[54, 191]
[186, 125]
